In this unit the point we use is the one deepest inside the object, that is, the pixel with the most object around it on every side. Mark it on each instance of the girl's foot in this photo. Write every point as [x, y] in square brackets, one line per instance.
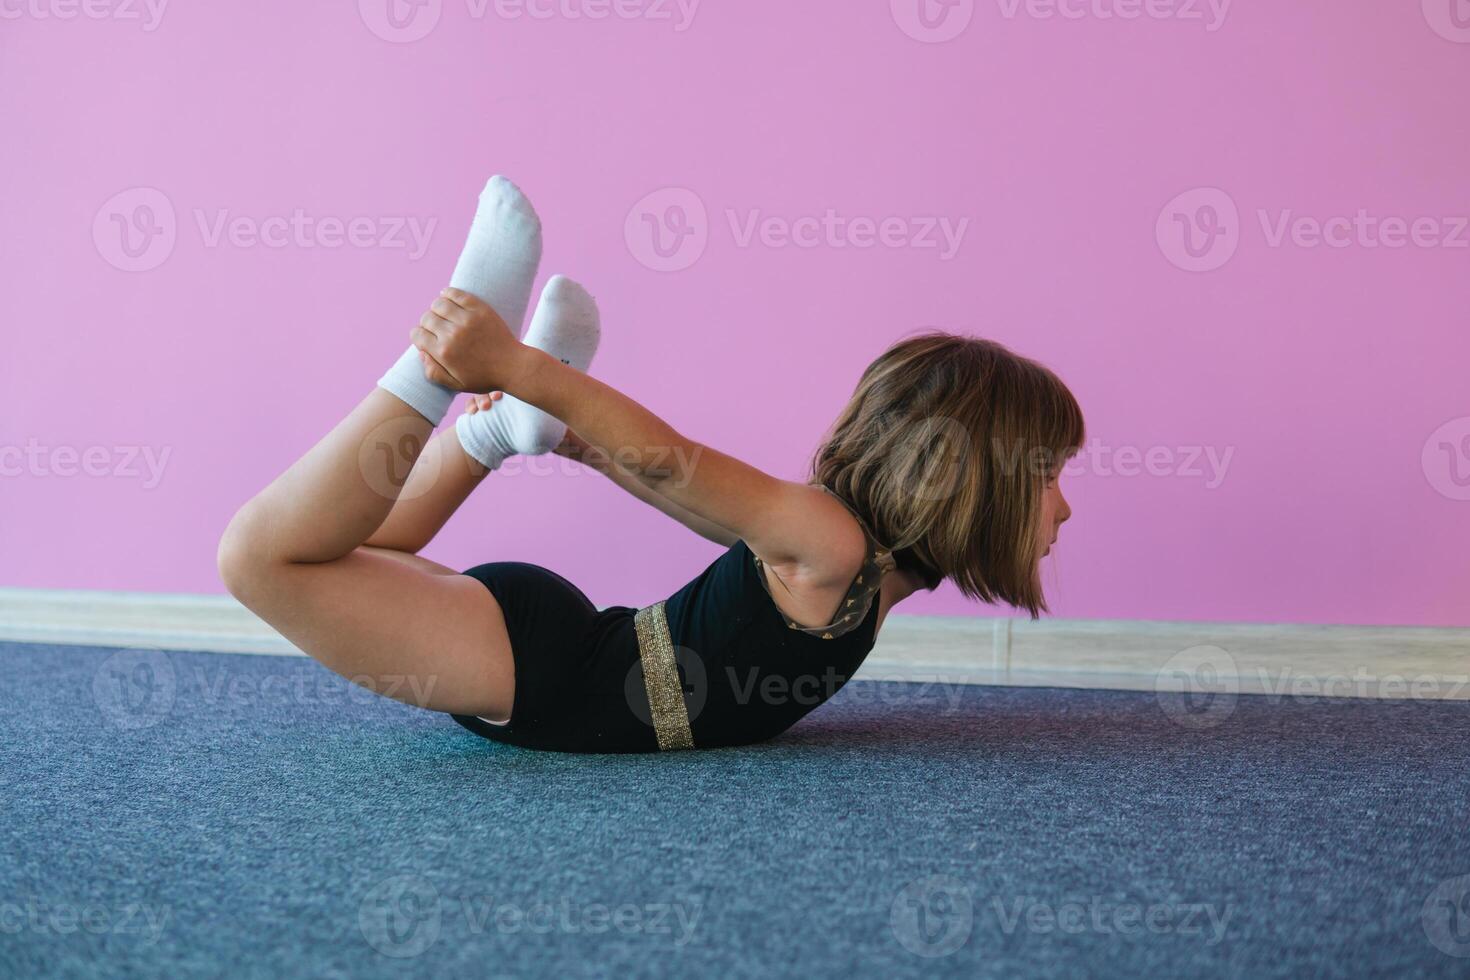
[566, 325]
[498, 265]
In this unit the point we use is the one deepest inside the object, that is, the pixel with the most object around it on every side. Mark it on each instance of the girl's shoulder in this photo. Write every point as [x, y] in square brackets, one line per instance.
[867, 564]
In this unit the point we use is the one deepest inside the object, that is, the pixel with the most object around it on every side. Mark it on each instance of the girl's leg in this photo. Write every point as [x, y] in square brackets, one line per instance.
[567, 326]
[390, 620]
[443, 478]
[397, 624]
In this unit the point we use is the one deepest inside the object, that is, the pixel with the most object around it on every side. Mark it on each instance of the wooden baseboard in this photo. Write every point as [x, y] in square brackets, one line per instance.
[1132, 655]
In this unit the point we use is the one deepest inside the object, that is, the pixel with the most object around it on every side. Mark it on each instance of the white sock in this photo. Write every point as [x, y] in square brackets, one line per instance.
[566, 326]
[498, 265]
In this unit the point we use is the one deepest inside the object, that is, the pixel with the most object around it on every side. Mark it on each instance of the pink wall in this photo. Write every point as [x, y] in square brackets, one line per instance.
[1330, 381]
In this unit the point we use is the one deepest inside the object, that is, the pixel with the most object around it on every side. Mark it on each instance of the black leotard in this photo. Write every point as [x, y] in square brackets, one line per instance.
[747, 673]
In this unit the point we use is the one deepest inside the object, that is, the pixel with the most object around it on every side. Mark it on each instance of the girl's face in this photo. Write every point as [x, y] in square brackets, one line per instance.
[1054, 511]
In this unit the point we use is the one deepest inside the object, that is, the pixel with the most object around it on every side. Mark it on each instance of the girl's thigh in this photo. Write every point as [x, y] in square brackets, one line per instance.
[403, 626]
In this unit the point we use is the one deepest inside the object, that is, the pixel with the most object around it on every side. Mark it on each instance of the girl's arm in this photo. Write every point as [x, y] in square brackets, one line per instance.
[785, 523]
[575, 447]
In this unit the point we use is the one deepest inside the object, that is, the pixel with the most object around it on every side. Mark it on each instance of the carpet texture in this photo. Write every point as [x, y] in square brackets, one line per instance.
[188, 814]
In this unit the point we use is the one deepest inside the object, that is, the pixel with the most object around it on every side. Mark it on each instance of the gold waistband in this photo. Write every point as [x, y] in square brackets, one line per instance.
[670, 714]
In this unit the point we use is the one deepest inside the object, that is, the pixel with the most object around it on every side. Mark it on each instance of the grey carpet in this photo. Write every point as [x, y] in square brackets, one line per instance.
[188, 814]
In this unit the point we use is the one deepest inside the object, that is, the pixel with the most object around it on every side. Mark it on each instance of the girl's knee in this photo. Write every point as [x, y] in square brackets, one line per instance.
[243, 558]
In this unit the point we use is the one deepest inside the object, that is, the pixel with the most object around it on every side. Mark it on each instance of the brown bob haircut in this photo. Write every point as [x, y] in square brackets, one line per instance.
[945, 450]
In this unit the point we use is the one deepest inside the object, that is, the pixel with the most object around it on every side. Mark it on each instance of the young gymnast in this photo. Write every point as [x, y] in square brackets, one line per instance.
[944, 465]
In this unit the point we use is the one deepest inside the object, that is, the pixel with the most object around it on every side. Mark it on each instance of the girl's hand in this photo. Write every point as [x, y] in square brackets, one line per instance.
[482, 403]
[464, 344]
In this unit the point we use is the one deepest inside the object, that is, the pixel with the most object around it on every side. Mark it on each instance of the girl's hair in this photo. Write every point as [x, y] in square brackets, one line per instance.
[945, 450]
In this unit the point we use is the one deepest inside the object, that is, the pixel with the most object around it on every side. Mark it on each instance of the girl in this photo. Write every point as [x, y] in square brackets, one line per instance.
[944, 465]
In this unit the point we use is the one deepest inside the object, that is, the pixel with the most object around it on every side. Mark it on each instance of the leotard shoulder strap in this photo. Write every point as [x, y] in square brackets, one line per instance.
[859, 598]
